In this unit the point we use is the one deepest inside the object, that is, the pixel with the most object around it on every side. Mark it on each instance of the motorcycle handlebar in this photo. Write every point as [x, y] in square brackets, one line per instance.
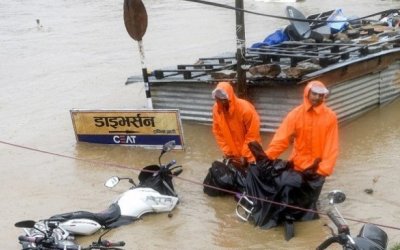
[30, 239]
[107, 243]
[173, 162]
[39, 241]
[328, 242]
[178, 172]
[336, 221]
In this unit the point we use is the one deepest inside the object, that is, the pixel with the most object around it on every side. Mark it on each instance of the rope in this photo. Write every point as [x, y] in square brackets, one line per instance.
[282, 17]
[191, 181]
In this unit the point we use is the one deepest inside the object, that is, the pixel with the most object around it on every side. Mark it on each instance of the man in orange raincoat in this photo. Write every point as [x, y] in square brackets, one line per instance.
[235, 124]
[313, 130]
[312, 127]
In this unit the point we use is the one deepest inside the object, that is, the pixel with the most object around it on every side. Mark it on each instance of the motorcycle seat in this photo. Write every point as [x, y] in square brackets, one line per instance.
[104, 218]
[372, 237]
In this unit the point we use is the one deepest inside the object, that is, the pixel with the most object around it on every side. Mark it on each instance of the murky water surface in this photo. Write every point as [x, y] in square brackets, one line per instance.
[81, 56]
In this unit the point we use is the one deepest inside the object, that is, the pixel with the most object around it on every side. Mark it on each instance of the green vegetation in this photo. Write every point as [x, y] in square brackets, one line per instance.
[395, 247]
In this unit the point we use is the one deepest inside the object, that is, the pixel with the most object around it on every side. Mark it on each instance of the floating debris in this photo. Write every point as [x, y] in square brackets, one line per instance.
[39, 26]
[270, 70]
[224, 74]
[301, 69]
[369, 191]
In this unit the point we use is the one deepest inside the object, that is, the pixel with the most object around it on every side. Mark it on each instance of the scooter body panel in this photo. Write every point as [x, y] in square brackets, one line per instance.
[80, 226]
[138, 201]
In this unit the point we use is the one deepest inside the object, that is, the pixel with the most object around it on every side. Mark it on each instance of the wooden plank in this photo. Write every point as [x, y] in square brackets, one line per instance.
[356, 69]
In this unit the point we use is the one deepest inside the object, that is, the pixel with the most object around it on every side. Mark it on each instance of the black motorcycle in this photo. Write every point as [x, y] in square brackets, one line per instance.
[369, 237]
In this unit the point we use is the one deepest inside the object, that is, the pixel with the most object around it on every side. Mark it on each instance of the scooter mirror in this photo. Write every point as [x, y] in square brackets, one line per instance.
[169, 146]
[336, 197]
[112, 182]
[25, 224]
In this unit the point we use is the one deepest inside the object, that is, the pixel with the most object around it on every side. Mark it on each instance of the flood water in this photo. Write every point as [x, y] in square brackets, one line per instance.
[81, 56]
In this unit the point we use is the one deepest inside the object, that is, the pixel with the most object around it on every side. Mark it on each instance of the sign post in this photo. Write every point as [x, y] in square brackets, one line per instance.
[135, 18]
[240, 51]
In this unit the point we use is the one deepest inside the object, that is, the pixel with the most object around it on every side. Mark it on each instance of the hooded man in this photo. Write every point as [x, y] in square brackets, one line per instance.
[235, 124]
[312, 127]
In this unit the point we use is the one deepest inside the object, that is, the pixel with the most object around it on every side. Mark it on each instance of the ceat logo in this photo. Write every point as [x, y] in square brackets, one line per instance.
[124, 139]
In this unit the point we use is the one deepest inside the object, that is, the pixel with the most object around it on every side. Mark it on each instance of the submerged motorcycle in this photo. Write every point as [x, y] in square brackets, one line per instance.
[369, 237]
[154, 194]
[50, 236]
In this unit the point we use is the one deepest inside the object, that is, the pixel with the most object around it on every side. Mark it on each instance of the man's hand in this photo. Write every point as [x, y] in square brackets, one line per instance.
[315, 164]
[228, 157]
[243, 161]
[237, 162]
[311, 171]
[257, 151]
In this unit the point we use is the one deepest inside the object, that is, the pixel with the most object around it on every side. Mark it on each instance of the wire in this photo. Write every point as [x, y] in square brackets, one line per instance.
[188, 180]
[286, 18]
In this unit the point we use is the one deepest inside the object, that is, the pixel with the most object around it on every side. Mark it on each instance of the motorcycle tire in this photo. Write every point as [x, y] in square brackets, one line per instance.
[288, 229]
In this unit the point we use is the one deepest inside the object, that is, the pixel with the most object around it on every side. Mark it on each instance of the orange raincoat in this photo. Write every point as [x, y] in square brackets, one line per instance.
[234, 129]
[314, 133]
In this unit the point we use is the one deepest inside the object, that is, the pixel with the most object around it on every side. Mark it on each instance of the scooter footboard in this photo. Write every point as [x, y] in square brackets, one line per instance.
[244, 208]
[375, 235]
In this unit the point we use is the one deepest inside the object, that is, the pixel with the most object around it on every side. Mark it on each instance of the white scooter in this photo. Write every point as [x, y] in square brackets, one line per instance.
[154, 194]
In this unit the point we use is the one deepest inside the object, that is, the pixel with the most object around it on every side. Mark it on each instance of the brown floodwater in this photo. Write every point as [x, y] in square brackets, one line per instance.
[81, 55]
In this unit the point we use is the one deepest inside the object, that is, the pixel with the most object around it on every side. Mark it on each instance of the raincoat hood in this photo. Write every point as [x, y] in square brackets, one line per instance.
[307, 89]
[228, 89]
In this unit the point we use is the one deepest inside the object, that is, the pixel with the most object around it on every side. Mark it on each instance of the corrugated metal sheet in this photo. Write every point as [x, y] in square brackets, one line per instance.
[192, 99]
[390, 83]
[351, 98]
[348, 99]
[354, 97]
[274, 102]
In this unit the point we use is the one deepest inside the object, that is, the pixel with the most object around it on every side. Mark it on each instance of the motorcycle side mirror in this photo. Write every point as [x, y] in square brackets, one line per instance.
[112, 182]
[168, 146]
[25, 224]
[336, 197]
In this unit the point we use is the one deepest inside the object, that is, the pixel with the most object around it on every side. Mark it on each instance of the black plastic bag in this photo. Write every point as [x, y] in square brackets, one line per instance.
[223, 176]
[285, 187]
[277, 182]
